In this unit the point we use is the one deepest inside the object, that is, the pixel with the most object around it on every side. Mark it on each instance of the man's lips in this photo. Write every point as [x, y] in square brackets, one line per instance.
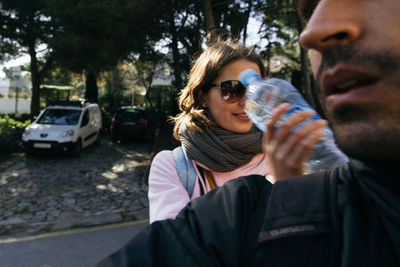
[343, 86]
[340, 80]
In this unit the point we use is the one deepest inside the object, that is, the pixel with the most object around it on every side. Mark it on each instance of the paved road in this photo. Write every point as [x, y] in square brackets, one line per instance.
[104, 185]
[70, 249]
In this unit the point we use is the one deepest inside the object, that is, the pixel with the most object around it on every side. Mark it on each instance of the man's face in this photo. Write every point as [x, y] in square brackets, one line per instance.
[355, 54]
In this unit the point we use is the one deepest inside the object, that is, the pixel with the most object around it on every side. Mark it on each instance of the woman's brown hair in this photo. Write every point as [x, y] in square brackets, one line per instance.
[204, 71]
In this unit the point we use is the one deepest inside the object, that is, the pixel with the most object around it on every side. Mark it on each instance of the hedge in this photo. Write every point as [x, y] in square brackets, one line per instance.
[11, 129]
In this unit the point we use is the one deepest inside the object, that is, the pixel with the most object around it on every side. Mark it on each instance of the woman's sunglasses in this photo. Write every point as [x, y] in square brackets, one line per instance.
[231, 91]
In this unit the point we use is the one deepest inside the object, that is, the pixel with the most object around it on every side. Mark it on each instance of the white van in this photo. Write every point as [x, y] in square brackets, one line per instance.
[64, 126]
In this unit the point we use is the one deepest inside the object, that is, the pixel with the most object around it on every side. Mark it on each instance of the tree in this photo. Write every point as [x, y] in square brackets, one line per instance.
[24, 29]
[142, 74]
[7, 51]
[93, 36]
[232, 17]
[212, 33]
[181, 34]
[281, 27]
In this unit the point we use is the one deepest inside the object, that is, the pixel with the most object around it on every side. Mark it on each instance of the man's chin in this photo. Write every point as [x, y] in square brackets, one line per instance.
[366, 140]
[347, 115]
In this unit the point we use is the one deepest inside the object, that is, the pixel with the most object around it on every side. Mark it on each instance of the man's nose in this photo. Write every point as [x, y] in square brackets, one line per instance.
[333, 23]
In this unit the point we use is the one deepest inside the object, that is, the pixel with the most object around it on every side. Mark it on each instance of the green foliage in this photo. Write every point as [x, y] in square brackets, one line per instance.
[11, 129]
[24, 27]
[20, 117]
[232, 16]
[22, 24]
[280, 30]
[88, 36]
[49, 95]
[59, 76]
[112, 100]
[7, 51]
[96, 35]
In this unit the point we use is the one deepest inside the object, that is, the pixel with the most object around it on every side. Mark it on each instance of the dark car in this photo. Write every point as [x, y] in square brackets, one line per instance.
[132, 123]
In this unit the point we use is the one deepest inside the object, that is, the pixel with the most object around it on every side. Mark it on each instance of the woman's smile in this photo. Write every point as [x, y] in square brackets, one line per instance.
[241, 116]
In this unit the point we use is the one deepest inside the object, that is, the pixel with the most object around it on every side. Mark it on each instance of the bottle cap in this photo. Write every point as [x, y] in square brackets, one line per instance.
[248, 77]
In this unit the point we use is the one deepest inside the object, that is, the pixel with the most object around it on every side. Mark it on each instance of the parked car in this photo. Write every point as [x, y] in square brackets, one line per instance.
[132, 123]
[64, 126]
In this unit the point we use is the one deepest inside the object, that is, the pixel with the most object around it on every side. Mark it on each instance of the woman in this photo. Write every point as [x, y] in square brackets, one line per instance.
[217, 135]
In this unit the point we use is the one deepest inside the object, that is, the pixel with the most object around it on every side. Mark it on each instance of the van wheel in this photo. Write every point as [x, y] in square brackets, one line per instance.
[76, 148]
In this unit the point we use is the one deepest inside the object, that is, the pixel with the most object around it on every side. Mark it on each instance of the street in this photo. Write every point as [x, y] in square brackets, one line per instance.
[79, 248]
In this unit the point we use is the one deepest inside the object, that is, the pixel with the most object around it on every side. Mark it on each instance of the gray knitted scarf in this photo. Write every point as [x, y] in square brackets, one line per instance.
[220, 150]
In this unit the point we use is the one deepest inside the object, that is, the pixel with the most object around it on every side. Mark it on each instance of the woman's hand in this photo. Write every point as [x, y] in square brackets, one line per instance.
[286, 149]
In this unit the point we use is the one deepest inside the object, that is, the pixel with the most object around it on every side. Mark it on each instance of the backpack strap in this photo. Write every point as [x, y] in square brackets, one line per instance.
[185, 169]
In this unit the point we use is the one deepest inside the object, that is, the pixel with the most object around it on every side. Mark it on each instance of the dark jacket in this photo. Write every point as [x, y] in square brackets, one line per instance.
[346, 217]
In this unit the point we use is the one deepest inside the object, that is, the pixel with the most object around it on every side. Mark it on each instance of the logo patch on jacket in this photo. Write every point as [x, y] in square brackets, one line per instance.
[289, 231]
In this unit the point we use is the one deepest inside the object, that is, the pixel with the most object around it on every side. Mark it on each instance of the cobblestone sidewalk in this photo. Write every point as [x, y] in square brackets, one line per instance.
[106, 184]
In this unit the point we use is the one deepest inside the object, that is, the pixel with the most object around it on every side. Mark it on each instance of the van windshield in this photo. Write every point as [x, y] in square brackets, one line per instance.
[60, 117]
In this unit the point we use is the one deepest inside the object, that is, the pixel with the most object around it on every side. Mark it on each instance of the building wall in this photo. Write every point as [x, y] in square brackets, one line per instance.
[4, 86]
[7, 105]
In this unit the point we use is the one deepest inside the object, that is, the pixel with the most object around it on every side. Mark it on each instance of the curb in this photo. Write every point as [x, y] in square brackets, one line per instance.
[69, 232]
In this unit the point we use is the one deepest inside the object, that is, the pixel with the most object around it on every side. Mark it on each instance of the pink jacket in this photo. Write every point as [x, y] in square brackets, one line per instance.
[167, 196]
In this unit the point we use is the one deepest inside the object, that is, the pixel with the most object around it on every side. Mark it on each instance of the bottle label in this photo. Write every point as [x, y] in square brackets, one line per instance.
[294, 109]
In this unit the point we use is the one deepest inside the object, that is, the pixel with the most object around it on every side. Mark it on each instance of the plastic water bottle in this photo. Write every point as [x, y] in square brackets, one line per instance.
[264, 94]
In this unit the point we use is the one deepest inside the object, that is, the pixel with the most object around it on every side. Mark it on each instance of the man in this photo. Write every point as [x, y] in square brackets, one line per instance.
[349, 216]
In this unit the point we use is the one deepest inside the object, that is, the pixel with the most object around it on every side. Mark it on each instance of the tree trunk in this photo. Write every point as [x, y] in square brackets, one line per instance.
[212, 33]
[16, 99]
[177, 66]
[35, 101]
[114, 80]
[248, 11]
[91, 92]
